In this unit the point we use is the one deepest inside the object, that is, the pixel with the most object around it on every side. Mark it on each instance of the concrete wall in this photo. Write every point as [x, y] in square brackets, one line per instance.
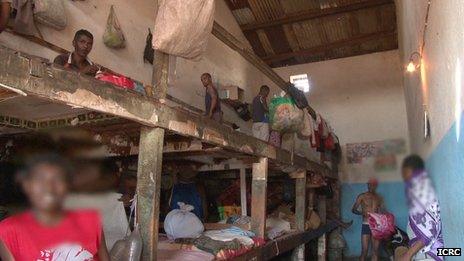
[135, 17]
[362, 98]
[438, 86]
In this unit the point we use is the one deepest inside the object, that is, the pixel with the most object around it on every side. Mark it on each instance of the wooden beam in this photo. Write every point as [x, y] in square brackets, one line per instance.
[300, 214]
[334, 45]
[314, 14]
[148, 188]
[243, 192]
[61, 86]
[227, 38]
[259, 197]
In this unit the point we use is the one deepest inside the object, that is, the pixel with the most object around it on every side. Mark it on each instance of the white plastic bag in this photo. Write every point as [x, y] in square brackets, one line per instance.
[182, 27]
[51, 13]
[182, 223]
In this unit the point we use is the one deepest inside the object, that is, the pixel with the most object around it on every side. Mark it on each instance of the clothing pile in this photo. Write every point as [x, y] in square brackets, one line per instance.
[223, 244]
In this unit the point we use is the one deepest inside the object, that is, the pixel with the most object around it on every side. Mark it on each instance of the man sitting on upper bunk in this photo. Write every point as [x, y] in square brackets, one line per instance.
[78, 60]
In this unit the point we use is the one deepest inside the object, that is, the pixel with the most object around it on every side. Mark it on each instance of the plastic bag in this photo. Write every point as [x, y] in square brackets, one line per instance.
[285, 116]
[51, 13]
[183, 27]
[149, 52]
[128, 249]
[113, 36]
[382, 225]
[182, 223]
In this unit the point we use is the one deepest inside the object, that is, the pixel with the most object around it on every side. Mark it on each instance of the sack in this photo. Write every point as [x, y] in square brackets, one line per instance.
[182, 223]
[51, 13]
[118, 80]
[149, 52]
[113, 36]
[298, 96]
[382, 225]
[183, 27]
[313, 221]
[285, 116]
[127, 249]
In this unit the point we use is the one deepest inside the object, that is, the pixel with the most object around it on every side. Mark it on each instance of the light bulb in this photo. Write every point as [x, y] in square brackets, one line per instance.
[411, 67]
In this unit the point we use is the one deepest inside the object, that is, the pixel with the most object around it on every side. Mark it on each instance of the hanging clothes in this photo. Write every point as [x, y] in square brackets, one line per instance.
[24, 20]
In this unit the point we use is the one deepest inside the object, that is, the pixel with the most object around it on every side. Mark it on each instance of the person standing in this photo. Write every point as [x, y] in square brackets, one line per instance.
[78, 60]
[47, 231]
[424, 224]
[212, 103]
[370, 202]
[261, 114]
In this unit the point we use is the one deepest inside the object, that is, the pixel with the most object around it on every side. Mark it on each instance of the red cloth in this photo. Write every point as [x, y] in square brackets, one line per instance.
[77, 235]
[118, 80]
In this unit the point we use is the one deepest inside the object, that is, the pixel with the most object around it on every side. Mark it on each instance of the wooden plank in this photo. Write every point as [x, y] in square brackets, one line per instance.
[322, 241]
[300, 214]
[333, 45]
[286, 243]
[62, 86]
[243, 192]
[218, 226]
[148, 188]
[258, 197]
[316, 13]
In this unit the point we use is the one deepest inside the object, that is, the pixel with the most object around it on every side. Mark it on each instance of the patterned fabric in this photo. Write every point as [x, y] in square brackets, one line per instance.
[424, 214]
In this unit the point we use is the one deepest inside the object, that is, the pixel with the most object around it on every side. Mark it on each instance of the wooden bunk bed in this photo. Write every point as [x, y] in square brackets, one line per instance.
[65, 96]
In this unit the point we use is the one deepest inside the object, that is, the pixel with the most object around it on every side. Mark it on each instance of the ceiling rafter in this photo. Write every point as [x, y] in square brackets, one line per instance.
[334, 45]
[314, 14]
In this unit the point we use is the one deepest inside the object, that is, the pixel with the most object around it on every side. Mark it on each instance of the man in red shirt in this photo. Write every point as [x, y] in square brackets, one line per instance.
[47, 231]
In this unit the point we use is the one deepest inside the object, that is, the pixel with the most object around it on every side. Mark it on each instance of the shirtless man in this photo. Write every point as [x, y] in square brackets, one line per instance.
[372, 202]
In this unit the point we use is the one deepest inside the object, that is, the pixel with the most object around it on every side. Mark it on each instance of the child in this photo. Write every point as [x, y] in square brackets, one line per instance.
[47, 231]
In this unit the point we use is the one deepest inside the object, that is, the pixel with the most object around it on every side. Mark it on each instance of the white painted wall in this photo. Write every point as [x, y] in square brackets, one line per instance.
[135, 17]
[362, 98]
[438, 85]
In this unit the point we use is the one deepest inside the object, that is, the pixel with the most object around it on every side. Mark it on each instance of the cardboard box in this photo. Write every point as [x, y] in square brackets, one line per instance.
[232, 92]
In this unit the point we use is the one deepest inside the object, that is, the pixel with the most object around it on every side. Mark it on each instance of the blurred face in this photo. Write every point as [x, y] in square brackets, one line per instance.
[83, 45]
[371, 187]
[406, 173]
[46, 187]
[265, 93]
[206, 80]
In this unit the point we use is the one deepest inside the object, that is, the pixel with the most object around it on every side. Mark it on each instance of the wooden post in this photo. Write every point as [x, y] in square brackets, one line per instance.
[148, 188]
[160, 75]
[258, 197]
[322, 241]
[300, 213]
[243, 192]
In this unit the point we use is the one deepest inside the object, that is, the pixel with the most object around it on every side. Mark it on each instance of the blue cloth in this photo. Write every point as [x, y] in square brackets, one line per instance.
[238, 231]
[258, 110]
[209, 101]
[187, 193]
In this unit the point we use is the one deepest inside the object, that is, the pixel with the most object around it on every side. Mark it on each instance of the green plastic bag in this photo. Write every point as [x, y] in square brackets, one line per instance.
[113, 36]
[285, 117]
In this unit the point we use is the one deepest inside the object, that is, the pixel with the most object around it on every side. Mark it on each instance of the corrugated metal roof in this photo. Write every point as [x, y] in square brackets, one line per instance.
[286, 32]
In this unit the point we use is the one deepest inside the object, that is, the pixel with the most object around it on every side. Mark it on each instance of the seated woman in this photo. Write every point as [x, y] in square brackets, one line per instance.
[47, 231]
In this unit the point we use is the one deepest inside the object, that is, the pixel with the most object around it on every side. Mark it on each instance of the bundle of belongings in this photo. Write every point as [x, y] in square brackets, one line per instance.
[288, 119]
[185, 232]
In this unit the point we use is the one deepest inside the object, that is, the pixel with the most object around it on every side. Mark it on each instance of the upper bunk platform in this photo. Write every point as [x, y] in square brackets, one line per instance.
[37, 95]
